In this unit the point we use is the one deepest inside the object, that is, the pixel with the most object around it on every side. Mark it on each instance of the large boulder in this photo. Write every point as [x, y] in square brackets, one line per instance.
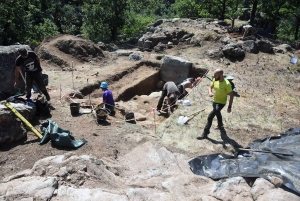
[29, 188]
[264, 190]
[214, 53]
[233, 50]
[11, 128]
[265, 46]
[235, 188]
[250, 46]
[175, 69]
[162, 35]
[283, 48]
[8, 55]
[226, 40]
[135, 56]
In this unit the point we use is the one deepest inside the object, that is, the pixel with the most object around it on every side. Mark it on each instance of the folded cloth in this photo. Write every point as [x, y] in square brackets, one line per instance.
[58, 136]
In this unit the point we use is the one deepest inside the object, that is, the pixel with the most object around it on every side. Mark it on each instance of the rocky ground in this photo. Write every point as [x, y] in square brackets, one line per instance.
[149, 160]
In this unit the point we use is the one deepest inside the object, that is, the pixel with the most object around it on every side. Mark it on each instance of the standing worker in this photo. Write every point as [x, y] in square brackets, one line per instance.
[222, 88]
[108, 101]
[33, 72]
[170, 91]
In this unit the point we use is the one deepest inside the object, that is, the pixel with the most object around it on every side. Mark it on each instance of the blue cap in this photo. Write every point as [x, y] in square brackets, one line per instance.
[103, 85]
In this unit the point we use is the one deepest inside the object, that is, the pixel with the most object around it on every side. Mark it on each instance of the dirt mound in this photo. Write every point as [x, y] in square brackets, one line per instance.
[83, 50]
[60, 51]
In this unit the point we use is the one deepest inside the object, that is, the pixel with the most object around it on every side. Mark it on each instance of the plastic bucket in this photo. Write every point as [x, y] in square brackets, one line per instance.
[102, 114]
[74, 107]
[46, 79]
[129, 117]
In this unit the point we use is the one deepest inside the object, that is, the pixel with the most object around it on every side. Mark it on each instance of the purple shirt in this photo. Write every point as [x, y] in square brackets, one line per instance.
[108, 97]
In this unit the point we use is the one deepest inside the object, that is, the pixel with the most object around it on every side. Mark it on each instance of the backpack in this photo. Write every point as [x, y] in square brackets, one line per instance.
[4, 95]
[42, 107]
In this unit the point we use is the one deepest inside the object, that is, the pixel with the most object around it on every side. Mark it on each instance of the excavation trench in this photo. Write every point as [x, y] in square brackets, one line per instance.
[141, 79]
[133, 89]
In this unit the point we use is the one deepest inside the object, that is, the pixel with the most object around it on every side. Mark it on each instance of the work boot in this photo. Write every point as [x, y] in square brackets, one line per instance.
[203, 135]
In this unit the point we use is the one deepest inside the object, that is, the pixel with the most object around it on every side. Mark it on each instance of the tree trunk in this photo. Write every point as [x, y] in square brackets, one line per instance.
[57, 20]
[222, 16]
[253, 12]
[232, 23]
[114, 33]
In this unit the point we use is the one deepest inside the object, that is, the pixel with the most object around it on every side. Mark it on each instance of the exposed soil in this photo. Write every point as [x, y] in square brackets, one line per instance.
[267, 102]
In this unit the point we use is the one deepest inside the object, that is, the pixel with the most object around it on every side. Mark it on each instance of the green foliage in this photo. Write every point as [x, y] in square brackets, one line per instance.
[233, 10]
[30, 21]
[41, 31]
[284, 30]
[290, 12]
[104, 18]
[135, 24]
[186, 8]
[12, 22]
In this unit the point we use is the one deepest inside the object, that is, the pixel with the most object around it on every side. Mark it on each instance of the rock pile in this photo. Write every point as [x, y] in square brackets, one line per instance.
[149, 172]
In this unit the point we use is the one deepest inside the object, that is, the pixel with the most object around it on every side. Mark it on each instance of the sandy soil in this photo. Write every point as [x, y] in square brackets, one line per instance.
[266, 102]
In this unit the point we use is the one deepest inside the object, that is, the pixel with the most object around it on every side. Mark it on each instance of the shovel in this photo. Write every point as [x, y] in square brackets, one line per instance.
[272, 152]
[185, 119]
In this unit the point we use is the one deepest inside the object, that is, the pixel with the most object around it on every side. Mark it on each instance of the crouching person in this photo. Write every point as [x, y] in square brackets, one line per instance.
[170, 91]
[187, 83]
[108, 99]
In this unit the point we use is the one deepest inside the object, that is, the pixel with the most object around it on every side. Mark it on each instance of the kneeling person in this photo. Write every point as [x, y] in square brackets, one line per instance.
[108, 99]
[170, 91]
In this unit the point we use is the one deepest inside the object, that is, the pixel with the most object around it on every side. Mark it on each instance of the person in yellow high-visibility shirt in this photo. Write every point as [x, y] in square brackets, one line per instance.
[222, 88]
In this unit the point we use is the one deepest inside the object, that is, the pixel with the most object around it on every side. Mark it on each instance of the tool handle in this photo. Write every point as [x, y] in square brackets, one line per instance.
[196, 112]
[195, 85]
[272, 152]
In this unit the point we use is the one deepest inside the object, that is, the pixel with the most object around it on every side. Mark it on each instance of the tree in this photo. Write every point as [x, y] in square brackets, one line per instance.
[104, 18]
[253, 11]
[234, 9]
[290, 12]
[186, 8]
[271, 10]
[12, 21]
[215, 8]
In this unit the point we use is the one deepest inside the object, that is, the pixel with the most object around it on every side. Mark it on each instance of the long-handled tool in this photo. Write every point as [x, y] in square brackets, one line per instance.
[87, 80]
[185, 119]
[266, 151]
[22, 76]
[190, 90]
[36, 132]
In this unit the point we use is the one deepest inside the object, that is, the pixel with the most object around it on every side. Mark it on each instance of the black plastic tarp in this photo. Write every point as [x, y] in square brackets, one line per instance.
[257, 164]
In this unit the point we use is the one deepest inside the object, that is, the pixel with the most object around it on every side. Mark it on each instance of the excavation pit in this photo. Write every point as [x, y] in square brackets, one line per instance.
[138, 88]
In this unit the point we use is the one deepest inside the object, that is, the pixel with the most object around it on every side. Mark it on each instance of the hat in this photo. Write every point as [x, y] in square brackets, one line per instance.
[23, 52]
[103, 85]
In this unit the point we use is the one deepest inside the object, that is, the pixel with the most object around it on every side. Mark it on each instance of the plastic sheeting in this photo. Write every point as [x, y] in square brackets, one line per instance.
[58, 136]
[257, 164]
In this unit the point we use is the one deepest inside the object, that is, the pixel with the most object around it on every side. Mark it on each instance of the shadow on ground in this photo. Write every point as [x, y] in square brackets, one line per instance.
[225, 140]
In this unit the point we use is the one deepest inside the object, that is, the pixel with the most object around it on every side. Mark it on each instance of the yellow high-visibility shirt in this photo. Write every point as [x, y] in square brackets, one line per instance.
[221, 90]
